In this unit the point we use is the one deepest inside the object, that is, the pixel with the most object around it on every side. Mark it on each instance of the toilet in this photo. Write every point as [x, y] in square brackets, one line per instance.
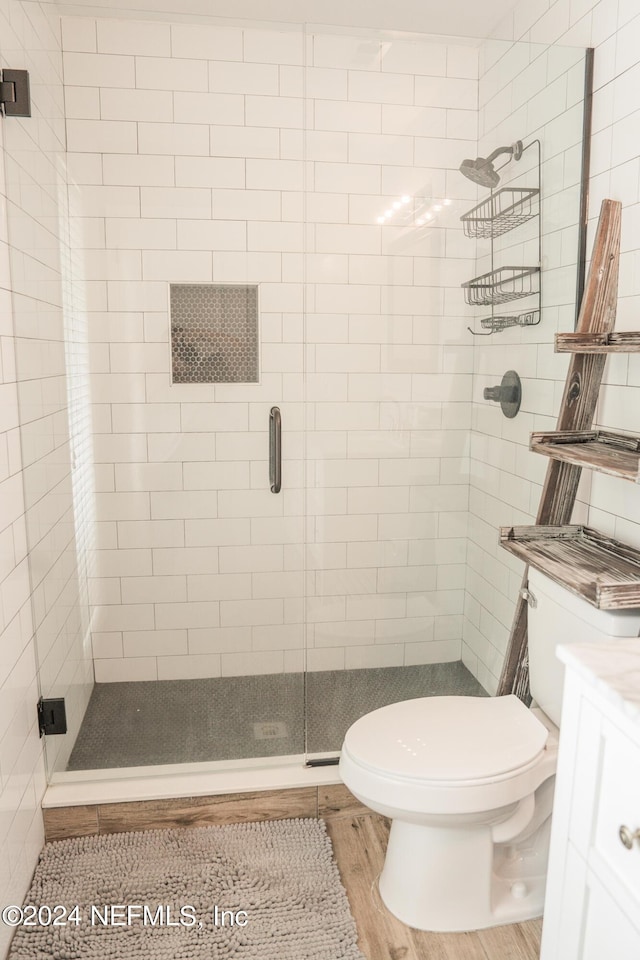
[468, 781]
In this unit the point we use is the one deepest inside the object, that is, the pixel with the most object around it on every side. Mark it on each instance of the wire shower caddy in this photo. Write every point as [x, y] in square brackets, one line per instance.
[504, 210]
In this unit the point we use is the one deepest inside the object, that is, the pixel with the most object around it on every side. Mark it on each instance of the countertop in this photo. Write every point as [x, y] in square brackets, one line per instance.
[612, 668]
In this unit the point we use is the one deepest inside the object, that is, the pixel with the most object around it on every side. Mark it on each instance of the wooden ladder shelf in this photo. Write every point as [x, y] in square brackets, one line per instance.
[562, 551]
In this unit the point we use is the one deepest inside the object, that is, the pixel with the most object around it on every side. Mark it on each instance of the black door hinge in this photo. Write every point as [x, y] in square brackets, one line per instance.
[15, 98]
[52, 716]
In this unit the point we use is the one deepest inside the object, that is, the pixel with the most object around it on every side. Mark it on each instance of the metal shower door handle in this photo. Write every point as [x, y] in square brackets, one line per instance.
[275, 449]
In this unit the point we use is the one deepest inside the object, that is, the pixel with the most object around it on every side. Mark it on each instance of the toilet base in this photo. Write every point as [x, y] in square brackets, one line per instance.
[458, 879]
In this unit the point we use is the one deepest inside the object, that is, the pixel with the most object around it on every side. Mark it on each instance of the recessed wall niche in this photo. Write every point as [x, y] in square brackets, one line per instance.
[214, 333]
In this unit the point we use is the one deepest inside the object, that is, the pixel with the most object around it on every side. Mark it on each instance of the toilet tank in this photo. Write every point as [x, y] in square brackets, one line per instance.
[560, 617]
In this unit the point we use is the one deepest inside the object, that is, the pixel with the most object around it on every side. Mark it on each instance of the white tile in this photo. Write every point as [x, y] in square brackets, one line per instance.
[246, 205]
[381, 655]
[175, 202]
[345, 51]
[84, 168]
[122, 563]
[236, 664]
[347, 116]
[275, 530]
[225, 532]
[274, 112]
[461, 94]
[209, 172]
[83, 103]
[142, 38]
[179, 616]
[347, 178]
[414, 121]
[322, 83]
[250, 559]
[100, 201]
[270, 174]
[348, 238]
[129, 668]
[225, 586]
[212, 235]
[137, 616]
[415, 56]
[154, 589]
[275, 236]
[136, 234]
[177, 266]
[222, 108]
[150, 533]
[274, 46]
[154, 643]
[191, 667]
[277, 584]
[182, 504]
[219, 640]
[203, 42]
[238, 613]
[79, 34]
[170, 73]
[122, 506]
[190, 139]
[133, 169]
[98, 70]
[247, 78]
[175, 560]
[327, 146]
[381, 87]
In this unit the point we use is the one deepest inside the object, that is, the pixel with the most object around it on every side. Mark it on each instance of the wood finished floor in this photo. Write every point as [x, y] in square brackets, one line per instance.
[359, 844]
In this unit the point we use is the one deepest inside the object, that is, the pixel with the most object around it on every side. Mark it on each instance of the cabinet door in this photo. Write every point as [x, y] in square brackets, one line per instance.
[607, 930]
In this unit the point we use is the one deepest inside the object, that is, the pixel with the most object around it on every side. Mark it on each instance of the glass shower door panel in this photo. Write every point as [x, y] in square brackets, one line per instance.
[198, 610]
[388, 381]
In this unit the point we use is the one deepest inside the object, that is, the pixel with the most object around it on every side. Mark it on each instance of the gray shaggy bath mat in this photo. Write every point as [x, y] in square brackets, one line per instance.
[276, 882]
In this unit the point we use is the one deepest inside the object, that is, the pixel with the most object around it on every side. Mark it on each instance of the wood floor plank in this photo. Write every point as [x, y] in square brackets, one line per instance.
[336, 800]
[517, 941]
[205, 811]
[61, 823]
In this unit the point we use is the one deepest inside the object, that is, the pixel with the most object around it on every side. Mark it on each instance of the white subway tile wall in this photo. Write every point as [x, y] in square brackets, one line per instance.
[164, 180]
[540, 95]
[205, 173]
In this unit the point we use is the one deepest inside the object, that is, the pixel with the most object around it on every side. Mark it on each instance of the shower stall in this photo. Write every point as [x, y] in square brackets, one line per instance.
[261, 482]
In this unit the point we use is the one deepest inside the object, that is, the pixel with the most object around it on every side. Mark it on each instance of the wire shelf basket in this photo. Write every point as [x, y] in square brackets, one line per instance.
[501, 212]
[501, 286]
[498, 324]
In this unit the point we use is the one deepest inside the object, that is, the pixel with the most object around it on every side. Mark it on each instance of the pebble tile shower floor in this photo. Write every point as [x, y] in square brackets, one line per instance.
[232, 718]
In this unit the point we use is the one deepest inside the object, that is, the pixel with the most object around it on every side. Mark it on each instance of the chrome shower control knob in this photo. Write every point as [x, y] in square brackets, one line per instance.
[627, 836]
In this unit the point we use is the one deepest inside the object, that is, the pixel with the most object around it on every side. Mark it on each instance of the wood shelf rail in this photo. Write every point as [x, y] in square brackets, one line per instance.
[577, 410]
[603, 571]
[623, 342]
[616, 454]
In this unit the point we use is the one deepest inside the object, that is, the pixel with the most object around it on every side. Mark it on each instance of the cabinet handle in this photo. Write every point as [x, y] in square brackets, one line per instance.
[627, 836]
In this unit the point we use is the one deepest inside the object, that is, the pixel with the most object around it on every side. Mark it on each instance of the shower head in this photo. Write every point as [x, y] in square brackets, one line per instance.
[482, 171]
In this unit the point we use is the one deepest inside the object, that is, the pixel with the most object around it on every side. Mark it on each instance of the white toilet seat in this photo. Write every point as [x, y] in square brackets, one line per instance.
[447, 755]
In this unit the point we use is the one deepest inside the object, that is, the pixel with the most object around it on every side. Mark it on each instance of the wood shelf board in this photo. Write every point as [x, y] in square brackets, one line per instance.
[603, 571]
[622, 342]
[616, 454]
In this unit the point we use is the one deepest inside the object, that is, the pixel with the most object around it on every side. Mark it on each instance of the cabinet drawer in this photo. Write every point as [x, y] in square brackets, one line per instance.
[619, 804]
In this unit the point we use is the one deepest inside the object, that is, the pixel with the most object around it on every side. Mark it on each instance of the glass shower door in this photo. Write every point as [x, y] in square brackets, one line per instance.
[389, 371]
[194, 319]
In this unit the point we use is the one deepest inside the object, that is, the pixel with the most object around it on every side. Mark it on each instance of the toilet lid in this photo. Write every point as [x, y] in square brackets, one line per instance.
[447, 738]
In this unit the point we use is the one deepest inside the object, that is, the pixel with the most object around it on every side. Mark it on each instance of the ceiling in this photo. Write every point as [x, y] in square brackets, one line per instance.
[461, 18]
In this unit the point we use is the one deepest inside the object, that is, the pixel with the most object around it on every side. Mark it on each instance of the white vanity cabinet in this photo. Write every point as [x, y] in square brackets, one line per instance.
[592, 905]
